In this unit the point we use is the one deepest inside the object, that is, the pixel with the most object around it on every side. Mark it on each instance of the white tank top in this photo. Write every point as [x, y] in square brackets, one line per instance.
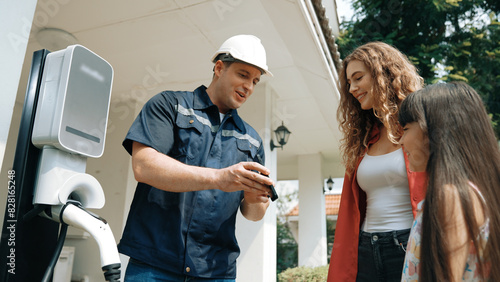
[385, 182]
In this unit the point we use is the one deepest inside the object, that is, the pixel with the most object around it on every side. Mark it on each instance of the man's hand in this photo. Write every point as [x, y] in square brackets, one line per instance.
[254, 205]
[256, 198]
[253, 179]
[250, 177]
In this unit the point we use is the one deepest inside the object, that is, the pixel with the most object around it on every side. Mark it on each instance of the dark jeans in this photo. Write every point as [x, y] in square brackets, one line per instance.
[140, 272]
[381, 255]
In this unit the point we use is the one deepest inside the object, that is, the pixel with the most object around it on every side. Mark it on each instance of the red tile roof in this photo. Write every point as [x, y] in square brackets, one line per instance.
[332, 203]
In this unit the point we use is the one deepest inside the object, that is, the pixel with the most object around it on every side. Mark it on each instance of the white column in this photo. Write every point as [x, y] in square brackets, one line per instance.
[129, 108]
[257, 240]
[15, 19]
[312, 218]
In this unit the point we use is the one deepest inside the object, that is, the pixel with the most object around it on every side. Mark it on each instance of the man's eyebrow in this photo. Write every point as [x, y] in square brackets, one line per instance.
[248, 73]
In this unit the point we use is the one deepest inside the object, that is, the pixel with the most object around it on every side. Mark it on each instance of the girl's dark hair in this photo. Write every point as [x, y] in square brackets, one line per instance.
[463, 148]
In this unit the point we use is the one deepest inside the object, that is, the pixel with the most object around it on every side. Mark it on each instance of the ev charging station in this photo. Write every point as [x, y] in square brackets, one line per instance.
[65, 117]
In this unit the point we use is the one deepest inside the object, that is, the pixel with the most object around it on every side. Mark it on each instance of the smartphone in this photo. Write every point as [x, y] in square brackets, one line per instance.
[274, 195]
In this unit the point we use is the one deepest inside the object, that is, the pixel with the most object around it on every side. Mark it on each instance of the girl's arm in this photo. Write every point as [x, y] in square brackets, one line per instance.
[456, 229]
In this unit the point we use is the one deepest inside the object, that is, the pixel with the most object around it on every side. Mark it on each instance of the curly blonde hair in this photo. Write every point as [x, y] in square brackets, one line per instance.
[394, 77]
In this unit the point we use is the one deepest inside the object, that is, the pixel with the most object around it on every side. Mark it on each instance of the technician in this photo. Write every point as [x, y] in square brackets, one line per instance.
[196, 162]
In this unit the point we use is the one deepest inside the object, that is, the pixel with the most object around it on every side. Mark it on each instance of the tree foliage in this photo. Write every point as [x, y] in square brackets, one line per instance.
[286, 247]
[447, 40]
[330, 236]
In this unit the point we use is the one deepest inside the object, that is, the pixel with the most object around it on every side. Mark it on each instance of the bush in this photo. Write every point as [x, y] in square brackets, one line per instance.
[302, 273]
[287, 249]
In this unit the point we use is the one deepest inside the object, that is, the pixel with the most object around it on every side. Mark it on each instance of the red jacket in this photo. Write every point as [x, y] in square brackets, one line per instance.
[352, 210]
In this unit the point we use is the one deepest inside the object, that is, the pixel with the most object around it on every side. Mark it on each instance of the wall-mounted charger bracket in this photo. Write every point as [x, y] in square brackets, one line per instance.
[61, 176]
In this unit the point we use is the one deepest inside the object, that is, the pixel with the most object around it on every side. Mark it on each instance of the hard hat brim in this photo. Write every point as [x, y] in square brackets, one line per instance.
[225, 57]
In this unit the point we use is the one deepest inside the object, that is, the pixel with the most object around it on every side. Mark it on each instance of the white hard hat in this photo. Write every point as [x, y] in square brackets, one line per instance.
[244, 48]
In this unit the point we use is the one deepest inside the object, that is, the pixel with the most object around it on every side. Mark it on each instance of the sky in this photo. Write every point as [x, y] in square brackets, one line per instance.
[344, 9]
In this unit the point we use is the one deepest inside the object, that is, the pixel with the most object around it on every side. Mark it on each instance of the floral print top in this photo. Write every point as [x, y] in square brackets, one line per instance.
[411, 266]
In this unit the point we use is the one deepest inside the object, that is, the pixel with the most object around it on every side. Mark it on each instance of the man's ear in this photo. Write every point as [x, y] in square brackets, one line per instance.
[219, 66]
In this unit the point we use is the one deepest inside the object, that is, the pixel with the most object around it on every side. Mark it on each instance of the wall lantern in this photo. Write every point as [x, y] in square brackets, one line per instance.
[329, 185]
[282, 134]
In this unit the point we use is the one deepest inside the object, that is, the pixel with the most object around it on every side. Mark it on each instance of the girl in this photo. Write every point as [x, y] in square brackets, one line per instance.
[380, 193]
[456, 236]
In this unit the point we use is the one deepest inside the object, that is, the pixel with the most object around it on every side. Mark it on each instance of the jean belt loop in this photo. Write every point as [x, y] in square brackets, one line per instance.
[395, 237]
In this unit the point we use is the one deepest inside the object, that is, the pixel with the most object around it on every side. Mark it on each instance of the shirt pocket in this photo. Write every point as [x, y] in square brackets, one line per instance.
[246, 150]
[189, 138]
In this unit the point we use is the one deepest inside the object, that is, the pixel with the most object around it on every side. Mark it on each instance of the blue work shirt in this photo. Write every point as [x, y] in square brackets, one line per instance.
[191, 233]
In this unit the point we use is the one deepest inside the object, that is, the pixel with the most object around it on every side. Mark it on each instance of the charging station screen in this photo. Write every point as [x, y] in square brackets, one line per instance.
[85, 113]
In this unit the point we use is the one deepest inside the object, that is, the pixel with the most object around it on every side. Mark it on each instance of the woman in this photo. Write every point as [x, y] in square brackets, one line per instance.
[456, 236]
[380, 193]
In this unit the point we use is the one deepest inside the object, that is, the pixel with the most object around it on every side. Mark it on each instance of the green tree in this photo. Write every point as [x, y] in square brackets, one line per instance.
[330, 236]
[287, 249]
[446, 39]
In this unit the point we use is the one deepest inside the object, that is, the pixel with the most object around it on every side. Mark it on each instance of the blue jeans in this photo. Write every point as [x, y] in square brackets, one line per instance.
[140, 272]
[381, 255]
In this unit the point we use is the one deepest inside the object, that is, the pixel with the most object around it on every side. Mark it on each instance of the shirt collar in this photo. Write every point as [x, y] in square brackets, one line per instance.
[201, 98]
[237, 119]
[202, 101]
